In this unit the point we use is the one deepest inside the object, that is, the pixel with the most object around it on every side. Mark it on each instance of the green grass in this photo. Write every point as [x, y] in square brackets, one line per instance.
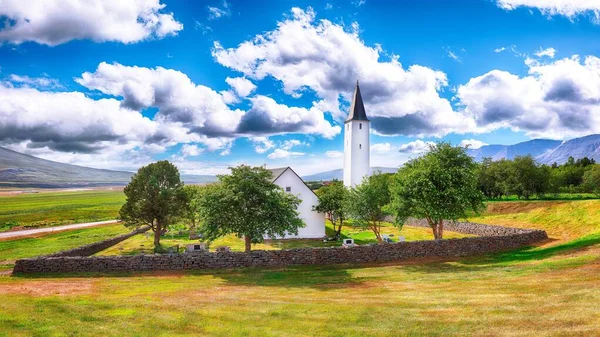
[558, 196]
[143, 244]
[12, 250]
[57, 208]
[551, 290]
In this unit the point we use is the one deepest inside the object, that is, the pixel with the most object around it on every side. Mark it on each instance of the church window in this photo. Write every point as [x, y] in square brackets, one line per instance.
[360, 146]
[288, 188]
[360, 126]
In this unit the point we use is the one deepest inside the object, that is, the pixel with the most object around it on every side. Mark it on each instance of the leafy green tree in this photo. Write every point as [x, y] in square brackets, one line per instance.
[490, 177]
[365, 203]
[155, 197]
[528, 178]
[332, 198]
[192, 212]
[441, 185]
[247, 203]
[591, 180]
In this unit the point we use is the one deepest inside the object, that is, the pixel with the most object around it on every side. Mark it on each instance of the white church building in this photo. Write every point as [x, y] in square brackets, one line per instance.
[356, 167]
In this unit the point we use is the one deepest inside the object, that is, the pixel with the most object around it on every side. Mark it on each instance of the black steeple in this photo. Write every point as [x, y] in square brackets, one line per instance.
[357, 109]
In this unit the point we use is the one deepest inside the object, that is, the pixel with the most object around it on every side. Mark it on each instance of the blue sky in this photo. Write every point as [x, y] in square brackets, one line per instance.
[210, 84]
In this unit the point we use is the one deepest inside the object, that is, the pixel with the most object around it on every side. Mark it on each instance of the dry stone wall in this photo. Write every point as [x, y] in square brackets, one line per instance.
[497, 239]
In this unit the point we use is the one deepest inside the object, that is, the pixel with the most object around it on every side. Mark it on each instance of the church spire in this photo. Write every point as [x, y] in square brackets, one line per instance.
[357, 109]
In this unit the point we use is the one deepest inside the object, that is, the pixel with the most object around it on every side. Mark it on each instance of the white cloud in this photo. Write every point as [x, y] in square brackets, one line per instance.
[288, 144]
[53, 22]
[557, 100]
[242, 86]
[327, 58]
[451, 54]
[36, 82]
[499, 50]
[219, 12]
[358, 3]
[568, 8]
[189, 150]
[280, 154]
[382, 148]
[262, 144]
[44, 121]
[472, 143]
[334, 154]
[417, 146]
[549, 52]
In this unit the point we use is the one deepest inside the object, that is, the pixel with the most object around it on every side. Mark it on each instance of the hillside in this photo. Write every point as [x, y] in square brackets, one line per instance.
[339, 174]
[21, 170]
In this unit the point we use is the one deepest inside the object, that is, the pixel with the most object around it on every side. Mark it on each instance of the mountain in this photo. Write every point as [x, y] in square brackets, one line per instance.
[535, 147]
[21, 170]
[588, 146]
[545, 151]
[339, 174]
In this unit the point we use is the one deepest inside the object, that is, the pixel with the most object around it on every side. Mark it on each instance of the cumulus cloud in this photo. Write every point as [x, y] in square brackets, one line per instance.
[549, 52]
[269, 117]
[40, 119]
[53, 22]
[242, 86]
[472, 143]
[382, 148]
[262, 144]
[558, 99]
[417, 146]
[568, 8]
[327, 59]
[281, 154]
[191, 150]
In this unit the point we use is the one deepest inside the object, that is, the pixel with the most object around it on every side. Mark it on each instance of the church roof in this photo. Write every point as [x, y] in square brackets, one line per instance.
[357, 109]
[276, 172]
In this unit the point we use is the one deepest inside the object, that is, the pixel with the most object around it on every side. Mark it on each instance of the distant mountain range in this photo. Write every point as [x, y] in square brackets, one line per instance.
[21, 170]
[545, 151]
[339, 174]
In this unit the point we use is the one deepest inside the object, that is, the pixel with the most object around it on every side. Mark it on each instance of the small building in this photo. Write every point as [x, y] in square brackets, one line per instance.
[290, 182]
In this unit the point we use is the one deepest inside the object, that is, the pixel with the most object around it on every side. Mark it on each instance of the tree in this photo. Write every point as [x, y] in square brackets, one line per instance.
[247, 203]
[192, 212]
[591, 180]
[528, 178]
[365, 203]
[331, 202]
[441, 185]
[155, 197]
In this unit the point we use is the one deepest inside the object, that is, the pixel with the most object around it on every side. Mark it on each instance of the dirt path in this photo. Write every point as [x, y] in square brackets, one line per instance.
[49, 230]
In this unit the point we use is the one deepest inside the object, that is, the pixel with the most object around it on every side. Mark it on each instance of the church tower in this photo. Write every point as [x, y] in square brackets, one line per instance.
[357, 163]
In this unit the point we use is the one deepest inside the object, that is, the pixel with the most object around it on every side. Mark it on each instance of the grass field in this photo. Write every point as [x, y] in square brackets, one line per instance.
[11, 250]
[552, 290]
[56, 208]
[144, 244]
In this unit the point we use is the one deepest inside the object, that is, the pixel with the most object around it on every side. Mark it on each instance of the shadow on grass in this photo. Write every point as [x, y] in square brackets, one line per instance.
[315, 277]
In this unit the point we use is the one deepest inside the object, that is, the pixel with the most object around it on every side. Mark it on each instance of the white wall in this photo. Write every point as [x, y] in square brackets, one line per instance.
[315, 222]
[357, 148]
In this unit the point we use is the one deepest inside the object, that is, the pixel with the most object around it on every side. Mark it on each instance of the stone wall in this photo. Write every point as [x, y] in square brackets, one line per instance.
[99, 246]
[499, 239]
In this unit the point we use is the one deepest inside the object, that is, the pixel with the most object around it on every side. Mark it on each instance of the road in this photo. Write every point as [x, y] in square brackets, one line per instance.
[48, 230]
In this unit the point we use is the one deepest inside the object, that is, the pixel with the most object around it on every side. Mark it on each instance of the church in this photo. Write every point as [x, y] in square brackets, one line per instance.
[356, 167]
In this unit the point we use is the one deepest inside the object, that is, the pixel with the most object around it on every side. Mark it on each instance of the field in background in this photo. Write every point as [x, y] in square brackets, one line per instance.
[549, 290]
[46, 209]
[143, 244]
[11, 250]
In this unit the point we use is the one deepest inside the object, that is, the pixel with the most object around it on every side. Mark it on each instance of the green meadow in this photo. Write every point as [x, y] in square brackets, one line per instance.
[46, 209]
[549, 290]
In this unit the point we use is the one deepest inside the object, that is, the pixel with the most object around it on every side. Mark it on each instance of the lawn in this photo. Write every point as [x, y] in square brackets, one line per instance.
[11, 250]
[56, 208]
[144, 243]
[551, 290]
